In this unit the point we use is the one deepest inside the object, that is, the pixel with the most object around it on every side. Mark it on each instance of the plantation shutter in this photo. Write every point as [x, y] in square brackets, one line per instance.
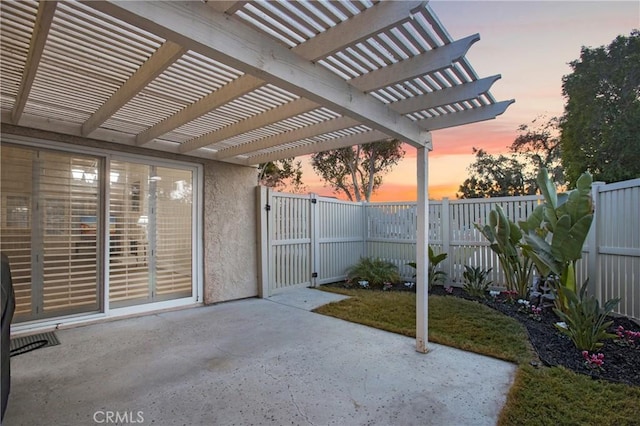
[49, 199]
[151, 247]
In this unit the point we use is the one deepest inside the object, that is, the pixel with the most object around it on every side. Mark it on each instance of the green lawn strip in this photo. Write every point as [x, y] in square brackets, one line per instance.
[557, 396]
[453, 322]
[542, 396]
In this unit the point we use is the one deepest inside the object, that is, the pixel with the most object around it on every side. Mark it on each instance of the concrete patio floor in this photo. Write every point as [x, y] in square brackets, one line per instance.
[252, 362]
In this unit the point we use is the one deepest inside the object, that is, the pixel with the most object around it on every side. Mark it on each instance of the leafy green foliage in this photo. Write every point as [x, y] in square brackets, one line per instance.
[375, 271]
[600, 129]
[567, 218]
[476, 281]
[505, 239]
[536, 146]
[282, 174]
[436, 276]
[357, 171]
[495, 176]
[586, 322]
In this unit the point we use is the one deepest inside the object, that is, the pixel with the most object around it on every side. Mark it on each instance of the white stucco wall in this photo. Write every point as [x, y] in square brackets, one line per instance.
[230, 235]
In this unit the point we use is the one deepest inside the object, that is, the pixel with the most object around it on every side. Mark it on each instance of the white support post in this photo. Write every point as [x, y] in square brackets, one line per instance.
[445, 222]
[593, 241]
[422, 258]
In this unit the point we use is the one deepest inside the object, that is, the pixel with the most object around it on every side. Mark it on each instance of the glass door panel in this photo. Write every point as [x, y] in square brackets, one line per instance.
[151, 255]
[45, 197]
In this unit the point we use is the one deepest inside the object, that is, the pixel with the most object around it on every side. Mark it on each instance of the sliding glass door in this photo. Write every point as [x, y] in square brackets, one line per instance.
[51, 210]
[88, 233]
[151, 248]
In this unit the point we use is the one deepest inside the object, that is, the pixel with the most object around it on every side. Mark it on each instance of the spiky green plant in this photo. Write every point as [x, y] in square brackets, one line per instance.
[476, 282]
[586, 323]
[505, 239]
[436, 276]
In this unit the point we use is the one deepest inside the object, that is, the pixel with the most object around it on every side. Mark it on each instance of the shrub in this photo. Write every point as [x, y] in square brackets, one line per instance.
[376, 271]
[505, 239]
[555, 231]
[585, 321]
[435, 276]
[476, 283]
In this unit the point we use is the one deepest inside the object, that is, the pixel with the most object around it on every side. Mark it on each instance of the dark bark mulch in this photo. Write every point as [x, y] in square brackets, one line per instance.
[621, 363]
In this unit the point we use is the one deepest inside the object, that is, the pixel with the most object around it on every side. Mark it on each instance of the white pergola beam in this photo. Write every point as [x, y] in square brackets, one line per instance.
[199, 28]
[293, 108]
[312, 147]
[474, 115]
[236, 88]
[362, 26]
[445, 97]
[429, 61]
[44, 18]
[160, 60]
[287, 137]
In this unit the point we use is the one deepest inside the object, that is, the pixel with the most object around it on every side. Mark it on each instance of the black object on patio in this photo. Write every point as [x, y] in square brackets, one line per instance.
[8, 307]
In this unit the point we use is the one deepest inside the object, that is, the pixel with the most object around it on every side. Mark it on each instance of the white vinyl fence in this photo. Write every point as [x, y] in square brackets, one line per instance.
[310, 240]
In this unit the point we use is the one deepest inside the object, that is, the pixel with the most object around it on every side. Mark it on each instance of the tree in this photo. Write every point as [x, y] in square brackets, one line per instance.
[357, 171]
[282, 174]
[600, 129]
[495, 176]
[537, 146]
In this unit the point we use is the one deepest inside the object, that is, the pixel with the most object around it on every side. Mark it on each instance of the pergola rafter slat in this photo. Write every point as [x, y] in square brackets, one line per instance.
[472, 115]
[431, 61]
[166, 55]
[346, 141]
[444, 97]
[271, 116]
[44, 18]
[225, 94]
[288, 137]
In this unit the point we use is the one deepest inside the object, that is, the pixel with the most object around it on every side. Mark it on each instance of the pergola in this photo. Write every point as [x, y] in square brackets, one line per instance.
[243, 82]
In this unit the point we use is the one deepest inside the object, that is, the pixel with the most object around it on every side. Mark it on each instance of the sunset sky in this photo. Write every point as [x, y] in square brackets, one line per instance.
[530, 44]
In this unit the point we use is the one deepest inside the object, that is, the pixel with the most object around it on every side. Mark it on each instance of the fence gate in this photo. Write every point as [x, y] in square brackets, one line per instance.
[285, 234]
[306, 240]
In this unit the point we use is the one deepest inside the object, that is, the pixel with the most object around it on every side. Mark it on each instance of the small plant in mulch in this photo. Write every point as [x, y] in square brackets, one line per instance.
[476, 281]
[593, 362]
[627, 338]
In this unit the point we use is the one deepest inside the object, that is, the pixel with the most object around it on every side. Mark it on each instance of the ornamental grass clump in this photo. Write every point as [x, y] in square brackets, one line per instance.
[376, 272]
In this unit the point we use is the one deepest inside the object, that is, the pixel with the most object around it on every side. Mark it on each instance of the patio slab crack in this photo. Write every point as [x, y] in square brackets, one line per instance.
[295, 404]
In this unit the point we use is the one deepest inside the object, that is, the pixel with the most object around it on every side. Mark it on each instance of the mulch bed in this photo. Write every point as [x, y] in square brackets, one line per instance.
[621, 363]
